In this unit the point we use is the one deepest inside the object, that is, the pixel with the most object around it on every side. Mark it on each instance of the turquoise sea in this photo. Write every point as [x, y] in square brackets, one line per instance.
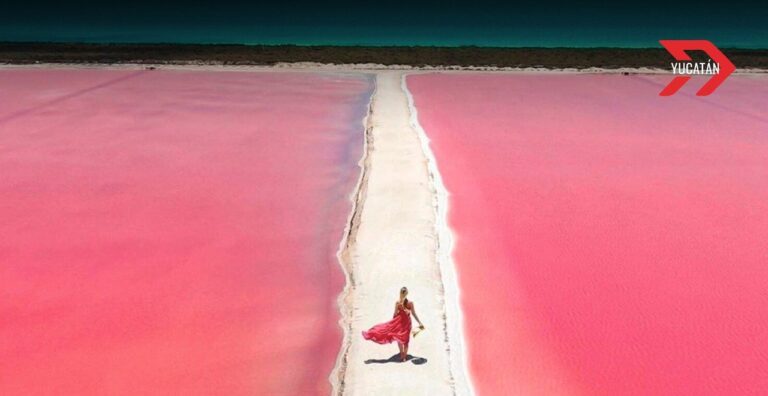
[529, 24]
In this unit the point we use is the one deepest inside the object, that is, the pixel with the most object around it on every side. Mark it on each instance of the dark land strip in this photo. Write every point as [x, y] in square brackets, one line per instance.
[609, 58]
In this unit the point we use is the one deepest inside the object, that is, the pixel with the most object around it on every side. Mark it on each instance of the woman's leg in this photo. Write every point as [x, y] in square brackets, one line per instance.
[405, 352]
[402, 351]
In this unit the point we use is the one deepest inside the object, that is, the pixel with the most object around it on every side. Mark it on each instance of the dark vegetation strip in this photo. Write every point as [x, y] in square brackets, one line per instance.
[26, 53]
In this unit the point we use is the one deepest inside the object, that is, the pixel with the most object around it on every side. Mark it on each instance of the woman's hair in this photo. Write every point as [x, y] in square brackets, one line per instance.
[403, 290]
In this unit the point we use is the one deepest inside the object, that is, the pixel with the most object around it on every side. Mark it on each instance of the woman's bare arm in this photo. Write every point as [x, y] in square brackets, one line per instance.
[413, 311]
[395, 314]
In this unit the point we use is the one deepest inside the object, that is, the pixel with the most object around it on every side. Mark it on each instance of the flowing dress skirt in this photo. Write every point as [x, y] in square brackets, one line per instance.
[398, 329]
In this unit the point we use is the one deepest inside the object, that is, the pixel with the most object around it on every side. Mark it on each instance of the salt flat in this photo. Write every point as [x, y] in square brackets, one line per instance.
[394, 244]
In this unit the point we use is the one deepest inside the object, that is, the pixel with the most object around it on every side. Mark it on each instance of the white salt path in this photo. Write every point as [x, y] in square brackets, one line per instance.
[393, 242]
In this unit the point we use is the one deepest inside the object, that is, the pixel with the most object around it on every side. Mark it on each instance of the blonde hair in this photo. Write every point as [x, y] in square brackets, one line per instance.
[403, 294]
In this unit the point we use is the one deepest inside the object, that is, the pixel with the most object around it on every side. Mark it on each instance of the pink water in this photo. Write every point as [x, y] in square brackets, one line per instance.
[608, 241]
[173, 232]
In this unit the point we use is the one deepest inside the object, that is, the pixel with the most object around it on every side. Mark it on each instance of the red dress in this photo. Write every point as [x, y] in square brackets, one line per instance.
[398, 329]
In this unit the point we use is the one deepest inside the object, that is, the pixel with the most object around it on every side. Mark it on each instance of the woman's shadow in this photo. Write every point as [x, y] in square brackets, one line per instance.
[396, 359]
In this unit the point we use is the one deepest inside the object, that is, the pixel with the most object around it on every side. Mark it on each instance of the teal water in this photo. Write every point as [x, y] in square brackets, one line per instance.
[552, 24]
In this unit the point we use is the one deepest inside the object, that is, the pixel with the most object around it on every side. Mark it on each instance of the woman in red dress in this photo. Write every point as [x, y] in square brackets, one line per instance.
[399, 328]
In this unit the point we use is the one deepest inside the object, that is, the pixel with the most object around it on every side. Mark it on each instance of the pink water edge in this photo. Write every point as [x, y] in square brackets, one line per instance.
[173, 232]
[608, 241]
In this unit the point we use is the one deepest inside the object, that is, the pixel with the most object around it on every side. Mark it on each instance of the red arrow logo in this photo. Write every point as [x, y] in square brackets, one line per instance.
[678, 47]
